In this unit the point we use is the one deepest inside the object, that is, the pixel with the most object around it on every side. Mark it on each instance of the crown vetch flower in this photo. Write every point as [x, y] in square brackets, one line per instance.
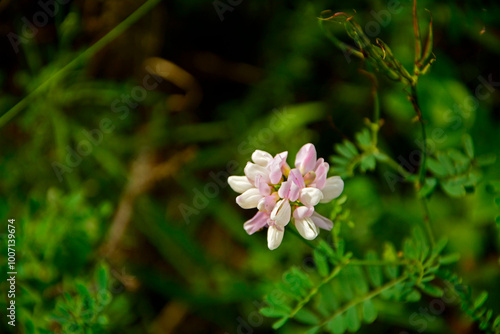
[281, 194]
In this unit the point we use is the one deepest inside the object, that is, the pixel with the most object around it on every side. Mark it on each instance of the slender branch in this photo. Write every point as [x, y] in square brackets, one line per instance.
[423, 163]
[376, 105]
[315, 290]
[356, 262]
[416, 30]
[367, 296]
[118, 30]
[341, 45]
[394, 165]
[416, 107]
[427, 223]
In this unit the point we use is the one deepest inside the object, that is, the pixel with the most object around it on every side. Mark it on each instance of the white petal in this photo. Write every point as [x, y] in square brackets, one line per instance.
[261, 158]
[274, 237]
[281, 212]
[307, 229]
[332, 189]
[310, 196]
[240, 184]
[253, 170]
[249, 199]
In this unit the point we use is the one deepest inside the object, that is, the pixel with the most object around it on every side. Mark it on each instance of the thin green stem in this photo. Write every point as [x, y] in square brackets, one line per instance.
[423, 164]
[341, 45]
[367, 296]
[118, 30]
[416, 106]
[376, 105]
[394, 165]
[416, 31]
[315, 290]
[427, 223]
[356, 262]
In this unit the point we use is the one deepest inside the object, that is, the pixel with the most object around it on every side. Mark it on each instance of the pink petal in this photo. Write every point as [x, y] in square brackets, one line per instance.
[302, 212]
[319, 162]
[256, 223]
[321, 173]
[294, 193]
[275, 171]
[322, 222]
[297, 178]
[285, 189]
[267, 203]
[305, 160]
[264, 188]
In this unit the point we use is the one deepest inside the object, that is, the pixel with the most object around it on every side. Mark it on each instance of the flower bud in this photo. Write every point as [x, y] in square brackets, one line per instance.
[239, 184]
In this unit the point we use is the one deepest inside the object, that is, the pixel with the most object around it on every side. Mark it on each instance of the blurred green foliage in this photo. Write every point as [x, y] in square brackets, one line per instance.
[271, 80]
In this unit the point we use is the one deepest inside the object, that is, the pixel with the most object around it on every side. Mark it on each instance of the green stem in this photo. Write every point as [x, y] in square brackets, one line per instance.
[394, 165]
[356, 262]
[427, 223]
[341, 45]
[119, 29]
[416, 106]
[315, 290]
[423, 164]
[361, 299]
[416, 31]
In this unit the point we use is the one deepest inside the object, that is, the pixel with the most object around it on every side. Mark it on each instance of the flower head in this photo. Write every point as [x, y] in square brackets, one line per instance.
[282, 194]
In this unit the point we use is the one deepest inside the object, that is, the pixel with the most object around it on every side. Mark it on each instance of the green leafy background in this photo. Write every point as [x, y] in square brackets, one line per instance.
[270, 79]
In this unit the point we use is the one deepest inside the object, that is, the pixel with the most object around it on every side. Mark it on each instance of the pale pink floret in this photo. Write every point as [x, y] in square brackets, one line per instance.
[307, 222]
[257, 222]
[306, 158]
[271, 186]
[275, 167]
[321, 173]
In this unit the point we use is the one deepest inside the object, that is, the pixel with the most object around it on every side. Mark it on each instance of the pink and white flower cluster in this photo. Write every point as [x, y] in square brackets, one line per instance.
[281, 193]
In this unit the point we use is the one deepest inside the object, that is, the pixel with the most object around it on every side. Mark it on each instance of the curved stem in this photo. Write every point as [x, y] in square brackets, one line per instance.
[118, 30]
[416, 31]
[423, 164]
[346, 49]
[356, 262]
[315, 290]
[367, 296]
[416, 107]
[427, 222]
[394, 165]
